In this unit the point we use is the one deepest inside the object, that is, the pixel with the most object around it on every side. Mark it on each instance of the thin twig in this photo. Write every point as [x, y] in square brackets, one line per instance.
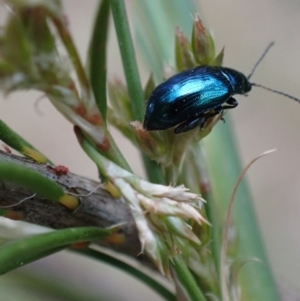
[223, 281]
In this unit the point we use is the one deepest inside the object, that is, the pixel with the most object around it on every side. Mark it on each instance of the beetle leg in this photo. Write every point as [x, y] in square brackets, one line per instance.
[201, 120]
[190, 124]
[231, 103]
[218, 110]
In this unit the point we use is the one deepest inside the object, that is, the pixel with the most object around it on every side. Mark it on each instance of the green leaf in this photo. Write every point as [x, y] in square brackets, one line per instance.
[31, 180]
[37, 183]
[97, 56]
[18, 253]
[12, 139]
[218, 60]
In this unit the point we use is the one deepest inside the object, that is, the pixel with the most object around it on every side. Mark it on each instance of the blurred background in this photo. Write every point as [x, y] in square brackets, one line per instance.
[262, 121]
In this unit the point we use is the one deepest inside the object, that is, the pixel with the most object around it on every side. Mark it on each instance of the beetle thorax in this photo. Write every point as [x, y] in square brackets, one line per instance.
[237, 80]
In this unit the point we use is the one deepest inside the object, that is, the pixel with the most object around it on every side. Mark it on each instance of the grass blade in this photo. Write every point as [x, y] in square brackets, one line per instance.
[97, 56]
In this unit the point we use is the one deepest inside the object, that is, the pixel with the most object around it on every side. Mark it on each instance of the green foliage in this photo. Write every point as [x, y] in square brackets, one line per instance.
[18, 253]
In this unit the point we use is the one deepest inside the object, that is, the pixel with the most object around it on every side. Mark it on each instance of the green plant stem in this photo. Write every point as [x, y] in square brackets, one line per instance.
[121, 265]
[257, 281]
[97, 56]
[92, 152]
[154, 172]
[187, 280]
[100, 160]
[132, 78]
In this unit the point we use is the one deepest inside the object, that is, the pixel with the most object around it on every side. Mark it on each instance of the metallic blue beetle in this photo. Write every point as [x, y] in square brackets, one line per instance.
[189, 98]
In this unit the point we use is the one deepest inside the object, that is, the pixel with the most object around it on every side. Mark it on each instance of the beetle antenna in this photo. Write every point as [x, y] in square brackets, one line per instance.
[260, 59]
[276, 91]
